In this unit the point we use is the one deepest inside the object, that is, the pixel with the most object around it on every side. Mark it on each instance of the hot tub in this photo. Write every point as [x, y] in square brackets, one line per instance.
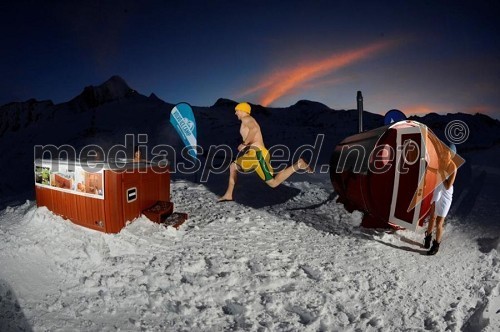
[101, 196]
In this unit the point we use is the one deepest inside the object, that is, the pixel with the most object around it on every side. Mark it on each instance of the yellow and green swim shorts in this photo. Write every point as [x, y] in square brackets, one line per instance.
[255, 159]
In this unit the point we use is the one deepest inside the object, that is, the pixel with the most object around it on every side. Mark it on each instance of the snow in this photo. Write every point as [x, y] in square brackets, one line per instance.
[304, 264]
[283, 259]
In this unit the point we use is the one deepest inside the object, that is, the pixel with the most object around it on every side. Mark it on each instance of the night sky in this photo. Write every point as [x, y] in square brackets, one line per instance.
[416, 56]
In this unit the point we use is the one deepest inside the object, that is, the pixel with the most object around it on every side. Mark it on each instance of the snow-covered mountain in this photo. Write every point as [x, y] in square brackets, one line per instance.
[114, 89]
[18, 115]
[104, 114]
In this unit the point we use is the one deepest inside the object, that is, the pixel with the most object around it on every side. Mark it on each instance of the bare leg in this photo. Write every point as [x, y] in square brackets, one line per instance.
[439, 230]
[287, 172]
[432, 219]
[233, 175]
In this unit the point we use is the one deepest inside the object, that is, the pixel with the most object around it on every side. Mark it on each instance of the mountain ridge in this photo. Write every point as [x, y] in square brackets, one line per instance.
[119, 111]
[117, 89]
[15, 116]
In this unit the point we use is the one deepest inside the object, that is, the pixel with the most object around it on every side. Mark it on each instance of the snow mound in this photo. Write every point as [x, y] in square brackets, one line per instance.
[300, 265]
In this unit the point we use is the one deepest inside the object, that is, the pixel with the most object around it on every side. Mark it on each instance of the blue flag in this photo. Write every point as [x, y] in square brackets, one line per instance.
[182, 118]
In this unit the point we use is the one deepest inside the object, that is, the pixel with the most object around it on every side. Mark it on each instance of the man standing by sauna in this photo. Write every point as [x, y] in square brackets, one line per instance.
[441, 201]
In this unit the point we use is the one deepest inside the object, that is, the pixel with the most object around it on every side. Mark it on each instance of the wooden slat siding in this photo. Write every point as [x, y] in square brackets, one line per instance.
[84, 218]
[57, 199]
[155, 187]
[43, 197]
[113, 203]
[164, 189]
[102, 216]
[66, 203]
[72, 207]
[98, 212]
[81, 209]
[94, 212]
[131, 210]
[66, 199]
[55, 205]
[150, 185]
[90, 212]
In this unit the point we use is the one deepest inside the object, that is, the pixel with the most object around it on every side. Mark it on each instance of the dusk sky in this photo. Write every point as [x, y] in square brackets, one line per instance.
[416, 56]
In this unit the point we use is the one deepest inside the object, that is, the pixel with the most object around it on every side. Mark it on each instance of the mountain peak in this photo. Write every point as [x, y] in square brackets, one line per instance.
[310, 104]
[115, 82]
[152, 96]
[115, 88]
[224, 102]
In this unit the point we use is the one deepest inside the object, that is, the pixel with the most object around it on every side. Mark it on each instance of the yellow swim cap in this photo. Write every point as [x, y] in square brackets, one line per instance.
[244, 107]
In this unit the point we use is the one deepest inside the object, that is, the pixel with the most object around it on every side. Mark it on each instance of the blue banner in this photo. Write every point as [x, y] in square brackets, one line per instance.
[182, 118]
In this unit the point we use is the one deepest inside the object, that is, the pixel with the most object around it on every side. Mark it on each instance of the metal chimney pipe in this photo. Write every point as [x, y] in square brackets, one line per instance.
[359, 98]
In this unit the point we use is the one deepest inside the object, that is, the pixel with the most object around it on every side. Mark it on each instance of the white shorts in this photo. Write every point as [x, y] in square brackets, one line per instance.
[442, 198]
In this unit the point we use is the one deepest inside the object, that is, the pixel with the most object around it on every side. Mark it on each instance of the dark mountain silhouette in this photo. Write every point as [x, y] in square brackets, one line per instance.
[17, 115]
[223, 102]
[113, 89]
[104, 114]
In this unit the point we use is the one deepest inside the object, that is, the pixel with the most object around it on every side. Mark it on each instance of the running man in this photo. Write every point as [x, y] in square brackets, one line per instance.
[254, 155]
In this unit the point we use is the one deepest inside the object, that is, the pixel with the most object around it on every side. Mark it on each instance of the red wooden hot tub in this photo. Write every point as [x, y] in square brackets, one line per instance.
[104, 200]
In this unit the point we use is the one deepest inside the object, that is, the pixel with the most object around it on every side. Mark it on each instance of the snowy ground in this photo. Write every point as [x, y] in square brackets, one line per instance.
[304, 264]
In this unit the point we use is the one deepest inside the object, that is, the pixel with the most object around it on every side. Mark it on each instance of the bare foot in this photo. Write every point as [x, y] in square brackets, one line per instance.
[225, 198]
[301, 164]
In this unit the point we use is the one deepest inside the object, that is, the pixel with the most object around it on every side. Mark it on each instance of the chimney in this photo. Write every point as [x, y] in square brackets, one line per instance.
[359, 98]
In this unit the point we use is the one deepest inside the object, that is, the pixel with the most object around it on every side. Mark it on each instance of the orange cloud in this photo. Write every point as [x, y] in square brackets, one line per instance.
[421, 110]
[286, 80]
[443, 109]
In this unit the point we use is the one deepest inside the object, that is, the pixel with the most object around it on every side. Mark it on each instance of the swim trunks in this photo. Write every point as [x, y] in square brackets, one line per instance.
[255, 159]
